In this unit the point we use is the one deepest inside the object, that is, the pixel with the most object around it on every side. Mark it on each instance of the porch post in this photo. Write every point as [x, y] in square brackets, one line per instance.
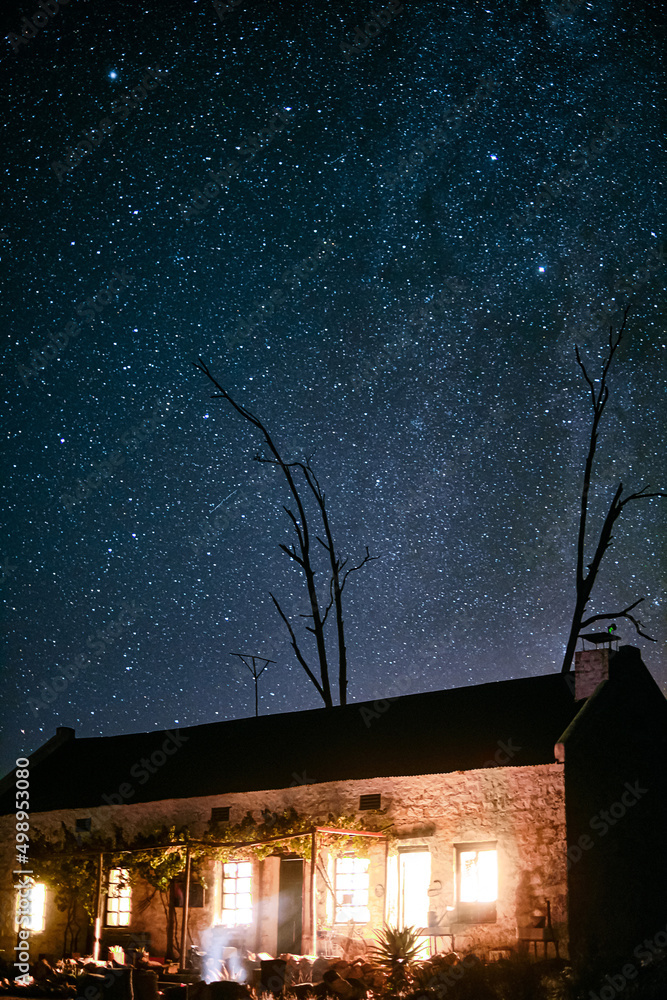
[386, 887]
[97, 929]
[186, 907]
[313, 897]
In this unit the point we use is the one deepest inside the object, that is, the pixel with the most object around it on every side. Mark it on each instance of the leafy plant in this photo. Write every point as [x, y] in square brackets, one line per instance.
[288, 824]
[395, 954]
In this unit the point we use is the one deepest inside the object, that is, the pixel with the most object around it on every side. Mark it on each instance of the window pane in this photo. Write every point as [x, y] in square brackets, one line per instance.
[487, 869]
[236, 893]
[34, 919]
[478, 876]
[468, 876]
[119, 895]
[351, 890]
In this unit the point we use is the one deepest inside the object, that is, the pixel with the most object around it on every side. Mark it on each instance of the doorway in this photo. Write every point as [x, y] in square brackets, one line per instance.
[290, 906]
[414, 877]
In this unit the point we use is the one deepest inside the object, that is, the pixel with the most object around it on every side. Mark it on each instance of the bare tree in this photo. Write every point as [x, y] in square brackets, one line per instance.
[301, 553]
[586, 580]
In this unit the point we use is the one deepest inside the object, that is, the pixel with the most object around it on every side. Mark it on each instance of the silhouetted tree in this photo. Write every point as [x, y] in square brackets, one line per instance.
[302, 554]
[586, 580]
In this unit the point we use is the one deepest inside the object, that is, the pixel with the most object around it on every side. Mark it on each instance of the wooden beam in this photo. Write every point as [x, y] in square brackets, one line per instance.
[186, 908]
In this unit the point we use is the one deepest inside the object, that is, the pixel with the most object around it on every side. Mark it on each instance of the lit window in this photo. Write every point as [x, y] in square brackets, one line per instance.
[119, 896]
[477, 882]
[414, 874]
[236, 893]
[351, 889]
[35, 918]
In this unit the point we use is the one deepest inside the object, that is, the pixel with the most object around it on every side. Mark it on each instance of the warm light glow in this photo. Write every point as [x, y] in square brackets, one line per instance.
[415, 878]
[36, 916]
[236, 893]
[479, 876]
[118, 898]
[351, 887]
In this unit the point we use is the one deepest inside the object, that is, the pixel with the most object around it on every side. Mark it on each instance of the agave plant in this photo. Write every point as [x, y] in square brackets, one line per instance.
[395, 954]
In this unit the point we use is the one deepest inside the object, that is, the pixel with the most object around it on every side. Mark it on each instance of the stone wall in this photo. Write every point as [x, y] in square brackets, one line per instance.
[521, 808]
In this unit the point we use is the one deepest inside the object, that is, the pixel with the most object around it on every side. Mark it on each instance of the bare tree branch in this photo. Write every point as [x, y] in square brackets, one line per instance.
[353, 569]
[641, 495]
[337, 585]
[301, 528]
[584, 581]
[625, 613]
[295, 647]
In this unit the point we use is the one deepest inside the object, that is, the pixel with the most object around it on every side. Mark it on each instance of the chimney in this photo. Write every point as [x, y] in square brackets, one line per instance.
[591, 667]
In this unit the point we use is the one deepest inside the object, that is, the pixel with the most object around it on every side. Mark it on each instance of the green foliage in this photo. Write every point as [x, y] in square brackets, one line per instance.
[69, 862]
[396, 955]
[283, 824]
[70, 866]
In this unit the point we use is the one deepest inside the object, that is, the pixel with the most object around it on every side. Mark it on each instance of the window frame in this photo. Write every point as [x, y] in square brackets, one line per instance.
[469, 911]
[117, 892]
[30, 923]
[337, 919]
[237, 924]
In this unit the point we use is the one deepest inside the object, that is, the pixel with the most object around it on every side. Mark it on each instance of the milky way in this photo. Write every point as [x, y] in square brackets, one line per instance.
[385, 238]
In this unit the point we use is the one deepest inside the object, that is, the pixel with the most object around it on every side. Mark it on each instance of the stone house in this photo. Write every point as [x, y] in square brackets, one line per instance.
[514, 814]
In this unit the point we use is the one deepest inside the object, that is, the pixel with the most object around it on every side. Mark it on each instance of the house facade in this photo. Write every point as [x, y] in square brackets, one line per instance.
[510, 815]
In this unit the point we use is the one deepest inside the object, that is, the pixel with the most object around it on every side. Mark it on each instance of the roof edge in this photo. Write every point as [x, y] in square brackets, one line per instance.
[63, 735]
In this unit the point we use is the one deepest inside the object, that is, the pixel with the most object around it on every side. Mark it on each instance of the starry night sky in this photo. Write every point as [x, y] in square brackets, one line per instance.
[372, 283]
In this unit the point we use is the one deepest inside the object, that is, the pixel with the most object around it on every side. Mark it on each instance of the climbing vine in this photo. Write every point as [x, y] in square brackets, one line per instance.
[289, 824]
[69, 861]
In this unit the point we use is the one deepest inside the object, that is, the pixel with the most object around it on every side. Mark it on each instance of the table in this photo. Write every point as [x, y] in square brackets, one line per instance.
[433, 933]
[535, 934]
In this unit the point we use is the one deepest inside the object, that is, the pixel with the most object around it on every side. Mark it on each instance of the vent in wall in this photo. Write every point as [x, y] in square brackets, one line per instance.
[220, 814]
[83, 825]
[371, 801]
